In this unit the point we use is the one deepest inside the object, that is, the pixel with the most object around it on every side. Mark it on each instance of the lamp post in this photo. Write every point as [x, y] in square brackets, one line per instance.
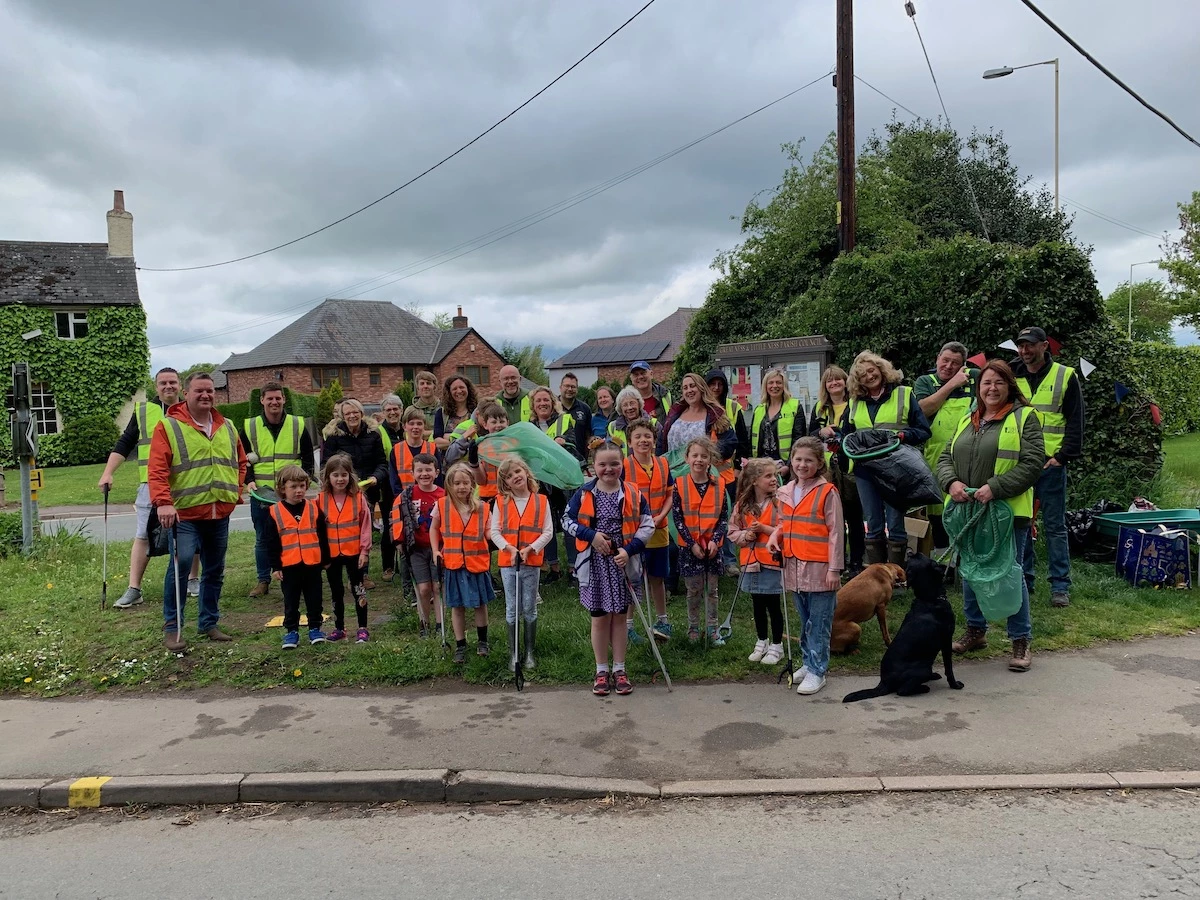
[1008, 70]
[1129, 327]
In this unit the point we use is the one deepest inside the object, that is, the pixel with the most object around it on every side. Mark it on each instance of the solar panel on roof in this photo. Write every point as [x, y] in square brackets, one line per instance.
[624, 351]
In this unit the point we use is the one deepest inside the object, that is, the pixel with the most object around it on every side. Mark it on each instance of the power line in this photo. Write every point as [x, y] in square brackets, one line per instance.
[886, 97]
[1110, 219]
[500, 233]
[1095, 62]
[415, 178]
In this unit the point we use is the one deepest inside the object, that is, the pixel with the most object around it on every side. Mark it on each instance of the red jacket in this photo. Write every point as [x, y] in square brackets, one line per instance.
[160, 467]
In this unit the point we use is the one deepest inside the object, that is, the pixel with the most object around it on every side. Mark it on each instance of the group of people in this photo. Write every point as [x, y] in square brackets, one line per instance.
[765, 494]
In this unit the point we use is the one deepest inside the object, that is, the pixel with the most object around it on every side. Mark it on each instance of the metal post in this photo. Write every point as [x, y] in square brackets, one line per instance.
[847, 208]
[1056, 134]
[1129, 329]
[28, 510]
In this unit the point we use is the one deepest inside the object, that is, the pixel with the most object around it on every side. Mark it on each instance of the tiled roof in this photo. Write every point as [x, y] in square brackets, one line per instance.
[658, 343]
[39, 273]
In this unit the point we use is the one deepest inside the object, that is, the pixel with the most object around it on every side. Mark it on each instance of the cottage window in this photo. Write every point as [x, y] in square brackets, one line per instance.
[43, 411]
[476, 374]
[72, 325]
[409, 374]
[327, 375]
[376, 375]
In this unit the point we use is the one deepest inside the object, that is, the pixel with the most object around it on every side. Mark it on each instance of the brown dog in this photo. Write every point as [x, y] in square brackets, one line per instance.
[863, 596]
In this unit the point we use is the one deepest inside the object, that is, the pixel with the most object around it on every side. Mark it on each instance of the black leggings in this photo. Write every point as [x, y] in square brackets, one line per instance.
[764, 605]
[337, 590]
[301, 580]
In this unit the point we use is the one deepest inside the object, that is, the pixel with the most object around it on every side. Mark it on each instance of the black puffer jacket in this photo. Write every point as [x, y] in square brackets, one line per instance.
[364, 449]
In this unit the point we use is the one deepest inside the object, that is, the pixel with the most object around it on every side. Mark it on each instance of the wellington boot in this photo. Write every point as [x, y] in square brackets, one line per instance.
[876, 552]
[530, 636]
[512, 647]
[897, 551]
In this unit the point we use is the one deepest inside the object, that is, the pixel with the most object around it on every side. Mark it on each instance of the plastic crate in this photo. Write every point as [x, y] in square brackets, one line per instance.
[1110, 524]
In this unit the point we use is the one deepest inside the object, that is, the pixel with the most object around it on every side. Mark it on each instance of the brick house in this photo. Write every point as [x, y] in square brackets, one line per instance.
[609, 357]
[369, 346]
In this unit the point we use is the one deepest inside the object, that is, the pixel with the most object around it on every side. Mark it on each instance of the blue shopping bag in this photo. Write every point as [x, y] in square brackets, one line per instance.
[1160, 559]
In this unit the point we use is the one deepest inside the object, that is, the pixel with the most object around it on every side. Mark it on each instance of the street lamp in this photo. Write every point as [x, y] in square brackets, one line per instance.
[1129, 327]
[1008, 70]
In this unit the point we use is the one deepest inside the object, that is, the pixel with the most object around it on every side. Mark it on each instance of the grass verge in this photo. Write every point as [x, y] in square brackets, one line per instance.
[76, 485]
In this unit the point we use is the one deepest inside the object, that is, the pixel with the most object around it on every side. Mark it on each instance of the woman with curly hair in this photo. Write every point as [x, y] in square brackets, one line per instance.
[458, 403]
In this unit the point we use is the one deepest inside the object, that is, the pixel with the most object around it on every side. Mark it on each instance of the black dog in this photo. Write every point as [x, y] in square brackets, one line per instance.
[927, 630]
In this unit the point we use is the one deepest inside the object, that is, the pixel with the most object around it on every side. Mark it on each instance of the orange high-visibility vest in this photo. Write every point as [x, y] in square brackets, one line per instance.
[700, 513]
[487, 480]
[464, 543]
[298, 536]
[402, 460]
[805, 532]
[397, 519]
[652, 484]
[631, 516]
[758, 552]
[341, 525]
[522, 529]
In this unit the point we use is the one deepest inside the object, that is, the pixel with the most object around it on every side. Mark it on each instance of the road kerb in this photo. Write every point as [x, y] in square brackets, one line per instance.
[475, 786]
[413, 785]
[1062, 781]
[20, 792]
[1157, 779]
[759, 787]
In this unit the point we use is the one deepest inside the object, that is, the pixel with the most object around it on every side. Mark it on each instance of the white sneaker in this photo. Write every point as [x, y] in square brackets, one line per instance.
[811, 684]
[193, 587]
[759, 649]
[129, 599]
[773, 655]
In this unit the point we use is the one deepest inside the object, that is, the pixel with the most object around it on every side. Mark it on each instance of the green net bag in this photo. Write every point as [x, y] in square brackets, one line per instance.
[982, 533]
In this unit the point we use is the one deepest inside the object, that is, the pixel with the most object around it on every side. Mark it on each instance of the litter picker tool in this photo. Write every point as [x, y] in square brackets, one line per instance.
[725, 629]
[104, 555]
[178, 584]
[518, 670]
[437, 598]
[788, 669]
[645, 619]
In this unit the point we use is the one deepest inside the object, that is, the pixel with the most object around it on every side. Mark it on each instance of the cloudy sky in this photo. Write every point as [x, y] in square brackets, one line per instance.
[234, 126]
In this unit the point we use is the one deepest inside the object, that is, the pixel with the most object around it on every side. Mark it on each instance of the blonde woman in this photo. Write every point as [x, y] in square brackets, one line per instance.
[547, 414]
[358, 436]
[827, 424]
[777, 420]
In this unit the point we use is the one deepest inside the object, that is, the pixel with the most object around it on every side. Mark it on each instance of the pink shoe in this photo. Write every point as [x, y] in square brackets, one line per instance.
[338, 634]
[363, 636]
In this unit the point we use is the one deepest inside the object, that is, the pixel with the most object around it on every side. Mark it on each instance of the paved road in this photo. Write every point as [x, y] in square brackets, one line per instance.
[123, 524]
[962, 846]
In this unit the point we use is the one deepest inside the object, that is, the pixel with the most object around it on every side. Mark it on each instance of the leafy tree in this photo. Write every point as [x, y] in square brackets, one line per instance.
[1182, 262]
[327, 401]
[527, 359]
[442, 321]
[1154, 309]
[406, 391]
[183, 375]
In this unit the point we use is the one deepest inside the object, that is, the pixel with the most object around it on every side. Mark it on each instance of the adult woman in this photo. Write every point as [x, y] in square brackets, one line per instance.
[827, 422]
[878, 400]
[699, 415]
[549, 417]
[629, 410]
[358, 437]
[458, 404]
[391, 431]
[777, 420]
[999, 451]
[605, 411]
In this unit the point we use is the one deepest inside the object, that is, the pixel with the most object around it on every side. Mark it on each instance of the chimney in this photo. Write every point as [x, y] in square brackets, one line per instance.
[120, 228]
[459, 321]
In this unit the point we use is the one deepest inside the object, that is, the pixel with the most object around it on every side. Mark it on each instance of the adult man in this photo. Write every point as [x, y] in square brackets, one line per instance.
[514, 400]
[656, 399]
[1055, 393]
[197, 469]
[568, 397]
[137, 434]
[271, 441]
[945, 395]
[426, 400]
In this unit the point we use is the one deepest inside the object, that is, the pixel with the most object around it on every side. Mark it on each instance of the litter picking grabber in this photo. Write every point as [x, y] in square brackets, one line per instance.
[104, 555]
[725, 629]
[787, 640]
[645, 619]
[174, 538]
[518, 671]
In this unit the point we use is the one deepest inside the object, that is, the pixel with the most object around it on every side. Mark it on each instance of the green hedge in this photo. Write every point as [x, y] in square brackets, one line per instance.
[1172, 376]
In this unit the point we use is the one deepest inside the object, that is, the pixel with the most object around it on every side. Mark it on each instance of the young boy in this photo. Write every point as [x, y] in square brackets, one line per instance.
[400, 468]
[298, 546]
[491, 418]
[410, 529]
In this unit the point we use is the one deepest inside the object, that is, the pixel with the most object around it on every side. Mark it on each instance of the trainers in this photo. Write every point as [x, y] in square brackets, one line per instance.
[389, 574]
[483, 649]
[662, 632]
[714, 637]
[972, 639]
[759, 651]
[338, 634]
[811, 683]
[368, 584]
[423, 631]
[132, 597]
[1060, 599]
[624, 685]
[1022, 659]
[460, 655]
[291, 640]
[693, 634]
[172, 643]
[193, 588]
[260, 589]
[362, 636]
[600, 686]
[316, 636]
[773, 655]
[631, 635]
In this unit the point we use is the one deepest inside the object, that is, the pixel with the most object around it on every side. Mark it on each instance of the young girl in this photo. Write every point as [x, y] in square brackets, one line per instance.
[411, 517]
[653, 478]
[520, 526]
[611, 523]
[348, 520]
[755, 515]
[700, 523]
[458, 539]
[809, 534]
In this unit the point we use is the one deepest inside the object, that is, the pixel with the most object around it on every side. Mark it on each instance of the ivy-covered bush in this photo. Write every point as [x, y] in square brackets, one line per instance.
[11, 534]
[1172, 376]
[52, 450]
[88, 439]
[905, 304]
[237, 413]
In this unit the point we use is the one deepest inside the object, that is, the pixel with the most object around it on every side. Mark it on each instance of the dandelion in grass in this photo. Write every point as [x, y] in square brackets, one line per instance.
[29, 681]
[297, 673]
[49, 585]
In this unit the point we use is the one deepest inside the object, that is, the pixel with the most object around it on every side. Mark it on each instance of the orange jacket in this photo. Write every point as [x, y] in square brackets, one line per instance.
[160, 467]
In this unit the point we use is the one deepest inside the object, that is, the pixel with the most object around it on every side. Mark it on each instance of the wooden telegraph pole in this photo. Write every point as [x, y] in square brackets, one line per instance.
[847, 207]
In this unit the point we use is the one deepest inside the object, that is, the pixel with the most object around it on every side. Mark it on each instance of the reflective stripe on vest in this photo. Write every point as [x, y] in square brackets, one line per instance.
[402, 460]
[464, 544]
[700, 513]
[805, 533]
[274, 452]
[1047, 404]
[487, 480]
[631, 516]
[557, 428]
[522, 529]
[1007, 453]
[298, 535]
[341, 525]
[758, 552]
[652, 484]
[783, 428]
[203, 470]
[944, 425]
[148, 416]
[892, 413]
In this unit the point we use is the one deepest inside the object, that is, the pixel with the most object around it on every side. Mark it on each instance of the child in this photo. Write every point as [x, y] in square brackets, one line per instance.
[755, 515]
[809, 534]
[493, 418]
[652, 476]
[411, 516]
[458, 539]
[700, 523]
[520, 525]
[611, 523]
[348, 522]
[299, 549]
[400, 468]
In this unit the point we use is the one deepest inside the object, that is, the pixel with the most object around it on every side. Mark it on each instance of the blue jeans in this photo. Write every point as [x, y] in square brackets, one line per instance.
[1051, 490]
[208, 538]
[529, 577]
[258, 517]
[875, 511]
[1020, 623]
[815, 609]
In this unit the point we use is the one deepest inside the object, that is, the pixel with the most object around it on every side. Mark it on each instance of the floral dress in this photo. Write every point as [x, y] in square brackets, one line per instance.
[606, 590]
